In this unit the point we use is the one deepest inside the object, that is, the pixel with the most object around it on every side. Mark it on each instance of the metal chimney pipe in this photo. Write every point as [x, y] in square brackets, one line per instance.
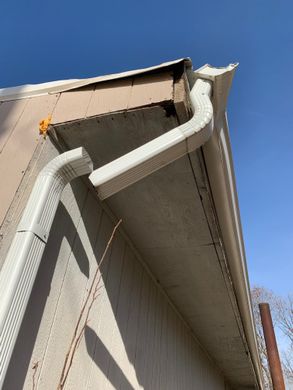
[272, 348]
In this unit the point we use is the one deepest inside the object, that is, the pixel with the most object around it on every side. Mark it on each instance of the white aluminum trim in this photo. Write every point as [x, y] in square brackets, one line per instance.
[23, 259]
[220, 170]
[141, 162]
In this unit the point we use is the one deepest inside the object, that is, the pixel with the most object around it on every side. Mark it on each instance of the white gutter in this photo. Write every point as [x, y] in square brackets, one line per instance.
[24, 256]
[219, 164]
[141, 162]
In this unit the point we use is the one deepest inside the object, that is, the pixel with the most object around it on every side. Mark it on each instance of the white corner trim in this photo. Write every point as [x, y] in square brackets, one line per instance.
[23, 259]
[161, 151]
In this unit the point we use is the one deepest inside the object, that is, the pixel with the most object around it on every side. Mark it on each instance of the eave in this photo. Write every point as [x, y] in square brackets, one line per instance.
[182, 219]
[216, 226]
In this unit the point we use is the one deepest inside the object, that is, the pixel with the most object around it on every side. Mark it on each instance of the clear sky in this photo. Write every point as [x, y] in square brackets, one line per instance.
[51, 40]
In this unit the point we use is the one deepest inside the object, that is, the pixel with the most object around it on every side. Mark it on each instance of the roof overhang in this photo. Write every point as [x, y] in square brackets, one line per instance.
[184, 222]
[183, 219]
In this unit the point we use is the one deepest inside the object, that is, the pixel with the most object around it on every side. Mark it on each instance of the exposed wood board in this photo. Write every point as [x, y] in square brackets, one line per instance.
[151, 89]
[110, 97]
[181, 99]
[72, 105]
[20, 147]
[10, 113]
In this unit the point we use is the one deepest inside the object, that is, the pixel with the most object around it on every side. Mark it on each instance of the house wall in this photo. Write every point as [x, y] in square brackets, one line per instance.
[19, 119]
[133, 339]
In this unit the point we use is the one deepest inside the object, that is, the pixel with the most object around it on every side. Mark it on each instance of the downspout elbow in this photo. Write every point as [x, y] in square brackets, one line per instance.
[161, 151]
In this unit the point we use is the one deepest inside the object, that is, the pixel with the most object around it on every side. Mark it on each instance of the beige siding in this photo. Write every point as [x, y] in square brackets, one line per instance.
[72, 105]
[118, 95]
[134, 339]
[10, 113]
[151, 89]
[106, 99]
[19, 136]
[19, 119]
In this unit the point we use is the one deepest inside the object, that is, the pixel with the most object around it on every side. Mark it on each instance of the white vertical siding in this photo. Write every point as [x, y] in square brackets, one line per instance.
[134, 339]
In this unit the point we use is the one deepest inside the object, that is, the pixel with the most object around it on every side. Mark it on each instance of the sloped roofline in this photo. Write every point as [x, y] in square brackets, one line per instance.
[32, 90]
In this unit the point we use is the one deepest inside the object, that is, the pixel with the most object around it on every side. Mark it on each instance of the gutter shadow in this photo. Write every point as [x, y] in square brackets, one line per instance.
[101, 356]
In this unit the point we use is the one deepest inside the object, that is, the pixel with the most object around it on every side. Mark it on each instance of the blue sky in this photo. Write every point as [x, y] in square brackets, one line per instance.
[50, 40]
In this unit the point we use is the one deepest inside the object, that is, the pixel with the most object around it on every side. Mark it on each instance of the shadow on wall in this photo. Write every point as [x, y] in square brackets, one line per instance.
[22, 353]
[25, 343]
[102, 358]
[140, 312]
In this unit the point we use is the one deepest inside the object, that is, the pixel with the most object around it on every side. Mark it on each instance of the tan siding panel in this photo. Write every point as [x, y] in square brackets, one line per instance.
[113, 96]
[110, 97]
[151, 89]
[20, 147]
[10, 113]
[72, 105]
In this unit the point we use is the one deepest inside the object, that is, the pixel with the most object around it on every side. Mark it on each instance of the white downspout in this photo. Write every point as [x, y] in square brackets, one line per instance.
[23, 259]
[140, 162]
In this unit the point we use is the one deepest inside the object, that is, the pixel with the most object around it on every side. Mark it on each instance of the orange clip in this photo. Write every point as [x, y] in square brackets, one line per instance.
[44, 124]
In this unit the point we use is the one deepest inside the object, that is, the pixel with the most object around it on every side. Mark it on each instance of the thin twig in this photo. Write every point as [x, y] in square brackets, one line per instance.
[35, 368]
[77, 334]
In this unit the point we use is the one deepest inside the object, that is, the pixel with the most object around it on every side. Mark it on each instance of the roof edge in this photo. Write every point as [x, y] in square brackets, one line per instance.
[33, 90]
